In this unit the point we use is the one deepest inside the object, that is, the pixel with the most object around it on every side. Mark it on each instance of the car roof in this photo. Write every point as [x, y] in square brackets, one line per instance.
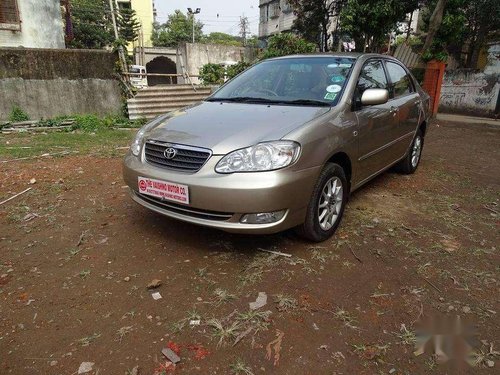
[355, 55]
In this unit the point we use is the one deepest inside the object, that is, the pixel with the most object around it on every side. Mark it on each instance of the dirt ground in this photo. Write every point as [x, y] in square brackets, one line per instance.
[76, 256]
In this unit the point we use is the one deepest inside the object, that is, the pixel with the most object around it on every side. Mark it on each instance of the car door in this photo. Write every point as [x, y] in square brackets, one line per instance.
[406, 99]
[376, 124]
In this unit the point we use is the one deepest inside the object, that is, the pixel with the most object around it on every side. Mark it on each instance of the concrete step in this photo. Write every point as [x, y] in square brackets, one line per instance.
[165, 106]
[167, 88]
[157, 100]
[183, 95]
[146, 101]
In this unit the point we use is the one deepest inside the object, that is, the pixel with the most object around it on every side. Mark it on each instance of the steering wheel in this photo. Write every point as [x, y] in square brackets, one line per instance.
[271, 92]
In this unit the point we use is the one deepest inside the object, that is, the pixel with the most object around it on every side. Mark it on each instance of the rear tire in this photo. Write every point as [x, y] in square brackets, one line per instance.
[327, 204]
[412, 160]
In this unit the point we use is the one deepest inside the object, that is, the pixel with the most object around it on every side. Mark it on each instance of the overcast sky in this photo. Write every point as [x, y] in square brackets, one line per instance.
[229, 12]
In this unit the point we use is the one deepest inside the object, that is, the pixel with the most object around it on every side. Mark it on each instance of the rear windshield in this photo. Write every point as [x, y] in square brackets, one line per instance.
[314, 79]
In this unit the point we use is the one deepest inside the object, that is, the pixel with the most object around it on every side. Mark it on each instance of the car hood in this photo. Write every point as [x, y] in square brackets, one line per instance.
[225, 127]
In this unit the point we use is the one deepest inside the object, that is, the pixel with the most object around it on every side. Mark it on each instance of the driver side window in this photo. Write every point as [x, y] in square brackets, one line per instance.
[372, 76]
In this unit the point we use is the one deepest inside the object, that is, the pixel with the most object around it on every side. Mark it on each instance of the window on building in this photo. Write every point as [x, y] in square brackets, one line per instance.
[124, 5]
[274, 10]
[286, 7]
[263, 13]
[9, 14]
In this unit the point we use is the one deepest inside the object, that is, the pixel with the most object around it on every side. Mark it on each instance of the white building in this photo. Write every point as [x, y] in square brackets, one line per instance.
[276, 16]
[31, 24]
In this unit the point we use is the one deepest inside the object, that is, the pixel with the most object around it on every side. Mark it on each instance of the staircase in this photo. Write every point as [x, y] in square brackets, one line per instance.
[153, 101]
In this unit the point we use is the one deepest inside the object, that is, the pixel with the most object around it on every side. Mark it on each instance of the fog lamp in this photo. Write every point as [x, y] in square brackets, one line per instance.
[263, 217]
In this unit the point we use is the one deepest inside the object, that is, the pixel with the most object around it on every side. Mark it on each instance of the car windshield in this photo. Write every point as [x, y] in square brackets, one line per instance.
[296, 81]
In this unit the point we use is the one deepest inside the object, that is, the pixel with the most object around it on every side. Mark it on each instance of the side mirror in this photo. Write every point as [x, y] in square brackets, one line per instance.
[375, 97]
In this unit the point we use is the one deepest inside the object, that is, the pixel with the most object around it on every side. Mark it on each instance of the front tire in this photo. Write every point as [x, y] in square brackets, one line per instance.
[412, 160]
[327, 204]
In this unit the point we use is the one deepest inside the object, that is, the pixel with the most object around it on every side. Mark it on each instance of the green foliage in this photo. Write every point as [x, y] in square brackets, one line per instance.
[286, 44]
[468, 23]
[93, 123]
[369, 22]
[314, 18]
[17, 114]
[222, 38]
[92, 25]
[212, 74]
[234, 70]
[177, 29]
[128, 25]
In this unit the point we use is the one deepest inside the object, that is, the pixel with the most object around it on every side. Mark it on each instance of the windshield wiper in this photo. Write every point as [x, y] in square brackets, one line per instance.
[307, 102]
[243, 99]
[250, 99]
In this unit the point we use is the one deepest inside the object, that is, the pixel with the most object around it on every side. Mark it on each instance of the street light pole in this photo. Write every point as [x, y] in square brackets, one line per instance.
[193, 13]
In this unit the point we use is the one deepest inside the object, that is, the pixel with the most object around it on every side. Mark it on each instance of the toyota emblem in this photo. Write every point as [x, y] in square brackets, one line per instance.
[170, 153]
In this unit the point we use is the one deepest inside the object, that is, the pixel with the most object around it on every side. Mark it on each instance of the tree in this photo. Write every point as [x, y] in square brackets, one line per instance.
[177, 29]
[434, 24]
[482, 23]
[313, 19]
[222, 38]
[465, 28]
[128, 25]
[370, 21]
[287, 44]
[92, 25]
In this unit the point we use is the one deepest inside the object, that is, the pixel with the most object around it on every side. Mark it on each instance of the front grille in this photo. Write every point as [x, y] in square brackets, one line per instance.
[186, 210]
[187, 159]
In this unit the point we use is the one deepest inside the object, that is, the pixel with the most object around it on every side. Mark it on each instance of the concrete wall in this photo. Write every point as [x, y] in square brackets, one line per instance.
[41, 26]
[49, 83]
[473, 92]
[192, 57]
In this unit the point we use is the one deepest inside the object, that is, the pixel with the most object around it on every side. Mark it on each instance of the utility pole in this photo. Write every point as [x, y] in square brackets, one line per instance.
[244, 26]
[121, 54]
[193, 13]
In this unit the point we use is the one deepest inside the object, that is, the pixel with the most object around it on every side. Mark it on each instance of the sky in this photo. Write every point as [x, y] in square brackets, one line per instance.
[229, 12]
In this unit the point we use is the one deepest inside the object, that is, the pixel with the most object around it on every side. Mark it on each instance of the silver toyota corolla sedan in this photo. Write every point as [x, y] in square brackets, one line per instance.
[282, 145]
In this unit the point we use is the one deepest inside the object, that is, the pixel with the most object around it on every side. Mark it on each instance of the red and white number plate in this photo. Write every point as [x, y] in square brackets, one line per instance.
[163, 189]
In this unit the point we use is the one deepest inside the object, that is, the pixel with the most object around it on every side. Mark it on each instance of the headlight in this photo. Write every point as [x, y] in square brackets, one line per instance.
[267, 156]
[136, 146]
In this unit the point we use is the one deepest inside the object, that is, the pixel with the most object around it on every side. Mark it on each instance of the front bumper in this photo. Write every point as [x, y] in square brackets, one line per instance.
[229, 197]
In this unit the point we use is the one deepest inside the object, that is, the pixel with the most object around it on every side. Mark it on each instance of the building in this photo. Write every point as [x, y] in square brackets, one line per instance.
[31, 24]
[145, 13]
[276, 16]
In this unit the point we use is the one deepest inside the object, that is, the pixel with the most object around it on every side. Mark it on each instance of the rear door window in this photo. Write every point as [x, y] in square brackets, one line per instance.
[401, 83]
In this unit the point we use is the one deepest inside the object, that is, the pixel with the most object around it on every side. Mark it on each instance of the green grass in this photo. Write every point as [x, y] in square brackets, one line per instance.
[103, 142]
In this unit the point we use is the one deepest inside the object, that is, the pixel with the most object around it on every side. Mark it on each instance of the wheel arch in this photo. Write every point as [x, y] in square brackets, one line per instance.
[342, 159]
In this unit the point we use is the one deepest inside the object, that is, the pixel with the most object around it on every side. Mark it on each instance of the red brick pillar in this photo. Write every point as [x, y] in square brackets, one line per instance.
[433, 79]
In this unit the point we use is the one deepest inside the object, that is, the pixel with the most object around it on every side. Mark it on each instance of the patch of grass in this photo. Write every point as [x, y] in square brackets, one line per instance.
[257, 320]
[122, 332]
[84, 274]
[86, 341]
[222, 296]
[406, 336]
[223, 332]
[239, 367]
[17, 114]
[346, 318]
[285, 303]
[103, 142]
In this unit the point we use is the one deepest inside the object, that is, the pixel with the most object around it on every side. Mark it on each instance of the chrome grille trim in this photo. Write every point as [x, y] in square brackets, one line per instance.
[186, 210]
[188, 158]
